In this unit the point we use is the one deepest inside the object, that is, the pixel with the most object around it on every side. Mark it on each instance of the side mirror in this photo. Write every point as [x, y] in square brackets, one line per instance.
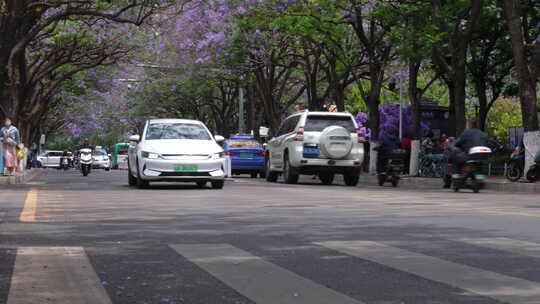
[219, 138]
[135, 138]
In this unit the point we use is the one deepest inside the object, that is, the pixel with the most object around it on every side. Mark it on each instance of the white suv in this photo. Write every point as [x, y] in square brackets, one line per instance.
[316, 143]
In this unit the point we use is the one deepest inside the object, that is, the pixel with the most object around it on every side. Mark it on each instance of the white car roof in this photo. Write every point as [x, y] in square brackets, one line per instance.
[174, 120]
[328, 113]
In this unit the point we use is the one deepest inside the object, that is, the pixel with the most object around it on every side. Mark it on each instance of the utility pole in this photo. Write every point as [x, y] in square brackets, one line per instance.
[241, 122]
[400, 108]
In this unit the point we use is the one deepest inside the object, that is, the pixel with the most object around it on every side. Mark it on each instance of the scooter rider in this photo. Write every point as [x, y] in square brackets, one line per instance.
[472, 137]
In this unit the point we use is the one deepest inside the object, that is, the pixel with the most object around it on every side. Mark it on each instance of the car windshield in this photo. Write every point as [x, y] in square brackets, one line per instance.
[177, 131]
[242, 143]
[54, 154]
[100, 152]
[317, 123]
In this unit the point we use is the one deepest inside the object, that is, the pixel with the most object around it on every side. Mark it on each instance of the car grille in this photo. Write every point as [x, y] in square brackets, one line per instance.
[186, 156]
[184, 174]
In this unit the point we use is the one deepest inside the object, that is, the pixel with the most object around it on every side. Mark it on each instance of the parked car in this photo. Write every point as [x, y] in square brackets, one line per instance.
[316, 143]
[49, 159]
[176, 150]
[247, 155]
[101, 159]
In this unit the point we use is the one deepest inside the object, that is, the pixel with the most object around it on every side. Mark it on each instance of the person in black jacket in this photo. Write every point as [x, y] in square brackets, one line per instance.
[471, 138]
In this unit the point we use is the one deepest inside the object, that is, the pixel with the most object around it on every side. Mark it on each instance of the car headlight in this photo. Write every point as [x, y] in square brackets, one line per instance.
[217, 155]
[150, 155]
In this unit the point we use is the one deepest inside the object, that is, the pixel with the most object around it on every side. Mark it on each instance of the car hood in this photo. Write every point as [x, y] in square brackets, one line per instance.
[181, 146]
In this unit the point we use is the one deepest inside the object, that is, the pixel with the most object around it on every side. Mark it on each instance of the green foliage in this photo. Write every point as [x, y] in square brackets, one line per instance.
[505, 114]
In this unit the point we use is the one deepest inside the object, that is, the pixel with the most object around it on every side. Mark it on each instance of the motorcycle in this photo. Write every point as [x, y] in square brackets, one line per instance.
[394, 167]
[85, 161]
[533, 174]
[470, 176]
[517, 165]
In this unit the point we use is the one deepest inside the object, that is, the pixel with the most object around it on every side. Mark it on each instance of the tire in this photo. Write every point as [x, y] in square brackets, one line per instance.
[132, 181]
[447, 182]
[289, 176]
[395, 182]
[381, 179]
[201, 184]
[262, 174]
[253, 174]
[532, 174]
[476, 188]
[141, 184]
[218, 184]
[351, 178]
[107, 169]
[456, 189]
[514, 173]
[335, 134]
[271, 176]
[326, 178]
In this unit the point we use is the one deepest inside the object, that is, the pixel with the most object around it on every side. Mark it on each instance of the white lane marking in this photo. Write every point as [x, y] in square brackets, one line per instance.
[257, 279]
[60, 275]
[497, 286]
[506, 244]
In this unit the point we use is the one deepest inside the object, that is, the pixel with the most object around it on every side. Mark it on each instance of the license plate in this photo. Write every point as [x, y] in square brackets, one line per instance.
[246, 155]
[480, 176]
[312, 151]
[186, 169]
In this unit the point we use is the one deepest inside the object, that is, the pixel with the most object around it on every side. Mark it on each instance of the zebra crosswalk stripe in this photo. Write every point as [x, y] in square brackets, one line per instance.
[496, 286]
[506, 244]
[257, 279]
[55, 275]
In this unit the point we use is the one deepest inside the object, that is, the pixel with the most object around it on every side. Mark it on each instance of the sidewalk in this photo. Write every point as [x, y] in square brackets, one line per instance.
[499, 184]
[19, 178]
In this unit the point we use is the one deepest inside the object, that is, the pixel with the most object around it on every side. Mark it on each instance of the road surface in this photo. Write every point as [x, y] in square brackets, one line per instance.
[69, 239]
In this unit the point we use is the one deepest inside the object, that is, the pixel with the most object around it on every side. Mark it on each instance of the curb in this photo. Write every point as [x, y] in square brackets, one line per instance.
[20, 179]
[436, 184]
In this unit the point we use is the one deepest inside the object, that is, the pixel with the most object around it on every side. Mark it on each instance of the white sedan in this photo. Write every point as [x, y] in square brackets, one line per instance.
[176, 150]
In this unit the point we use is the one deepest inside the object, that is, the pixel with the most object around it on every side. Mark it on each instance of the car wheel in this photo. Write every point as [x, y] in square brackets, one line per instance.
[141, 184]
[326, 178]
[271, 176]
[514, 173]
[253, 174]
[262, 174]
[218, 184]
[351, 178]
[395, 182]
[132, 181]
[289, 174]
[532, 174]
[381, 178]
[201, 184]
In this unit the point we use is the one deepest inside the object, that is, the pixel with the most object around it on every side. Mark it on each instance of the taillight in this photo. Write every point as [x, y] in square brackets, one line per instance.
[360, 138]
[262, 153]
[230, 153]
[300, 134]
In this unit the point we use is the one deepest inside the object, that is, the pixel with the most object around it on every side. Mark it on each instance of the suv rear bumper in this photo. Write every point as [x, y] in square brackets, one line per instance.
[314, 170]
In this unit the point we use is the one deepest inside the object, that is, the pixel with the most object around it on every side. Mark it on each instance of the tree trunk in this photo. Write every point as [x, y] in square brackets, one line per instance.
[460, 83]
[480, 86]
[414, 166]
[416, 134]
[373, 156]
[527, 83]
